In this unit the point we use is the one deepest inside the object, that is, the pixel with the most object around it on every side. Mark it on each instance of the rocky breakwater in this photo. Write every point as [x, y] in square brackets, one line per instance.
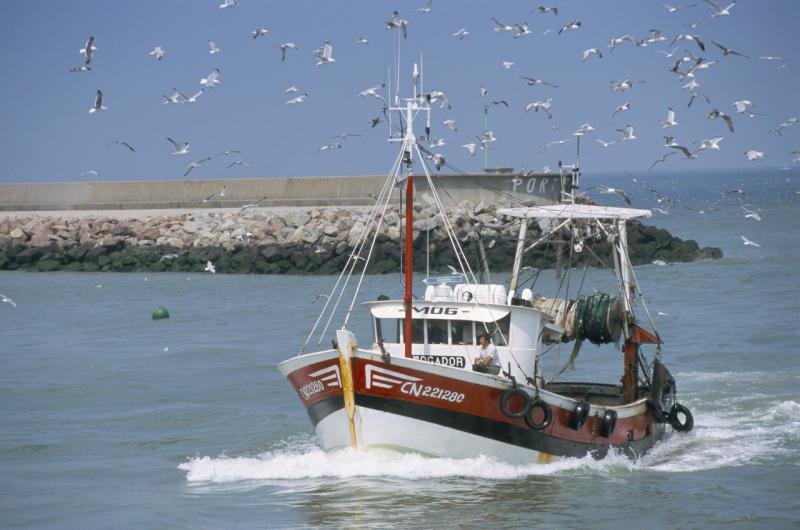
[314, 241]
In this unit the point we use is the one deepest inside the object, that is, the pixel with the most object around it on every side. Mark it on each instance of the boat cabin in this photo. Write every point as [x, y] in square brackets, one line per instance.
[447, 322]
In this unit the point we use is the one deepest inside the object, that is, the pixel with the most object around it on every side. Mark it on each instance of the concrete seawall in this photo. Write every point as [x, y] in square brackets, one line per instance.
[269, 192]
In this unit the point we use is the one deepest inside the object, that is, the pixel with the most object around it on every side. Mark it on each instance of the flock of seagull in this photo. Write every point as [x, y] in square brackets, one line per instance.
[686, 66]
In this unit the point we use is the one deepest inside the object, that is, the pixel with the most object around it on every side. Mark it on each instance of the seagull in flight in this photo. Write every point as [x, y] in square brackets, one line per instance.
[324, 54]
[237, 163]
[697, 95]
[544, 106]
[212, 48]
[556, 142]
[98, 103]
[788, 123]
[544, 10]
[670, 121]
[749, 242]
[450, 124]
[499, 27]
[7, 300]
[589, 52]
[259, 32]
[426, 8]
[461, 34]
[470, 147]
[743, 106]
[298, 99]
[90, 173]
[88, 50]
[716, 114]
[752, 154]
[691, 38]
[121, 144]
[575, 24]
[212, 80]
[533, 82]
[622, 108]
[718, 11]
[328, 147]
[189, 99]
[583, 129]
[662, 159]
[210, 267]
[711, 143]
[605, 144]
[751, 214]
[395, 22]
[508, 65]
[686, 153]
[727, 51]
[196, 164]
[158, 53]
[286, 46]
[361, 40]
[520, 30]
[607, 189]
[627, 133]
[80, 68]
[674, 9]
[181, 148]
[228, 3]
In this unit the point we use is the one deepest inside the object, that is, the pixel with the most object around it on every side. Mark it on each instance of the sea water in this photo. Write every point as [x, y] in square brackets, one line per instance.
[112, 419]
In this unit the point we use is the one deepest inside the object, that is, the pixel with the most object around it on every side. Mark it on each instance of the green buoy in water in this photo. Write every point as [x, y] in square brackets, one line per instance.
[160, 312]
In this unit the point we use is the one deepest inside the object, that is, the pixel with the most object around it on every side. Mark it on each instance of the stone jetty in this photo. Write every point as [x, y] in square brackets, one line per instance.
[282, 241]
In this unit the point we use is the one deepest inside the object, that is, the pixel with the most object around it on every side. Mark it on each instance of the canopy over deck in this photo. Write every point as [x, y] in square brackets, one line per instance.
[574, 211]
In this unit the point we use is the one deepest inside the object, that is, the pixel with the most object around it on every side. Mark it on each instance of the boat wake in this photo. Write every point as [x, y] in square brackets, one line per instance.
[728, 432]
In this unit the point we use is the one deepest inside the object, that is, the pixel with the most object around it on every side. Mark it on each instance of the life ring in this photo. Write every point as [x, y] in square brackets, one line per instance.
[675, 420]
[539, 403]
[608, 424]
[579, 415]
[513, 395]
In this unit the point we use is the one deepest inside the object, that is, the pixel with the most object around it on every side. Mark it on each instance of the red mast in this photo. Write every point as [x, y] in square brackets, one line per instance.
[409, 263]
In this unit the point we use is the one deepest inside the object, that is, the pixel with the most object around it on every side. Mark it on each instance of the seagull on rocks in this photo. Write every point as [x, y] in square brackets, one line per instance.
[210, 267]
[717, 114]
[752, 154]
[324, 54]
[158, 53]
[670, 121]
[212, 48]
[181, 148]
[212, 80]
[98, 103]
[749, 242]
[627, 133]
[88, 50]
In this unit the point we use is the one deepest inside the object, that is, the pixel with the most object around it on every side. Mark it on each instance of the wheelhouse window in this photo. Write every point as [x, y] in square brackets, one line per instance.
[388, 329]
[462, 332]
[499, 331]
[437, 331]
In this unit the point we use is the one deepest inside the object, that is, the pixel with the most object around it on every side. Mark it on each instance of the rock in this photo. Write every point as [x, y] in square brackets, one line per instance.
[18, 234]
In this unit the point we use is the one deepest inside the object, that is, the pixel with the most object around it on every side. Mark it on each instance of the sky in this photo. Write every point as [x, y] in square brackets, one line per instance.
[49, 135]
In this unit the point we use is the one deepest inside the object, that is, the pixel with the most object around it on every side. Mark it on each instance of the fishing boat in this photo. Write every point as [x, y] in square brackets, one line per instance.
[412, 385]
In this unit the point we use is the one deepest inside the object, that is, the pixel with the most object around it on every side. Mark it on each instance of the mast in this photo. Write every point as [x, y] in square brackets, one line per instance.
[630, 374]
[409, 265]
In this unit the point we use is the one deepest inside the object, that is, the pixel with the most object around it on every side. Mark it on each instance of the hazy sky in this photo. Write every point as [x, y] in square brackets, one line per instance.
[48, 133]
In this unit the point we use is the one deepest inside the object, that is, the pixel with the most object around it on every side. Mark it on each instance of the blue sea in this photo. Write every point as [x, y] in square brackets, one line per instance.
[109, 419]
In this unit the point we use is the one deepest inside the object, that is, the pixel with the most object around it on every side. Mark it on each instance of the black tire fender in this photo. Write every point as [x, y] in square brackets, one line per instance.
[608, 423]
[539, 403]
[675, 420]
[579, 415]
[506, 399]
